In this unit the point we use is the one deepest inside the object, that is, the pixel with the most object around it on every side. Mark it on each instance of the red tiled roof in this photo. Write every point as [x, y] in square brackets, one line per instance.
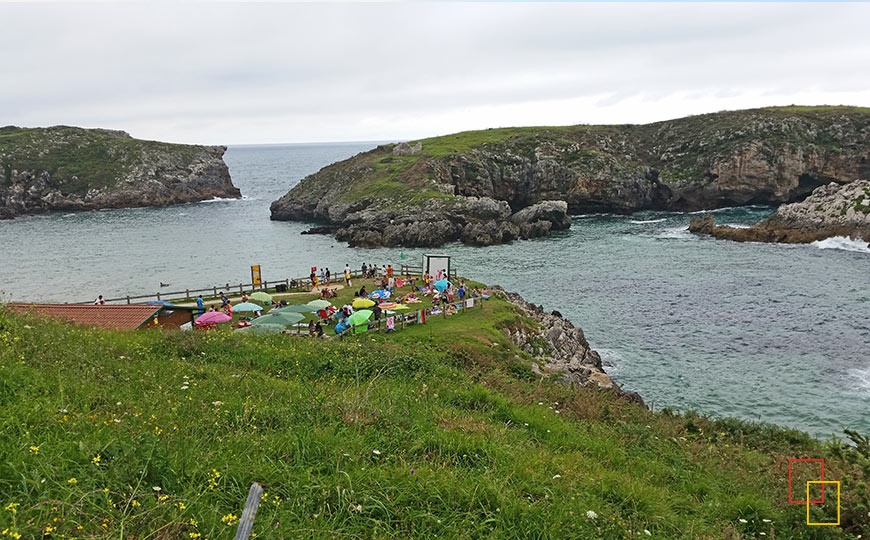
[121, 317]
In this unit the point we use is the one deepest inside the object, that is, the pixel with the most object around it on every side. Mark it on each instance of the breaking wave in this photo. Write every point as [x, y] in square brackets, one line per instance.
[844, 243]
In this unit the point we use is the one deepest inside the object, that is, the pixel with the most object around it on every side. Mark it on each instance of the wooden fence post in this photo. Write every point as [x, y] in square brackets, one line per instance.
[158, 297]
[128, 298]
[215, 292]
[187, 293]
[246, 523]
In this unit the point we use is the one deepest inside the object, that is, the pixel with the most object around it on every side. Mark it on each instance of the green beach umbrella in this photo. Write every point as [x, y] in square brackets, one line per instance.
[298, 308]
[261, 297]
[268, 328]
[278, 317]
[319, 304]
[359, 317]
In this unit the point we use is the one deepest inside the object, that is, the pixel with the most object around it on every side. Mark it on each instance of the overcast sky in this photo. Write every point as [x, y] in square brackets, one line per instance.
[229, 73]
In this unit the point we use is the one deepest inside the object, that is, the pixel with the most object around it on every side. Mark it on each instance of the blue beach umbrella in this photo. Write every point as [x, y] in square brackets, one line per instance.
[442, 285]
[380, 293]
[247, 306]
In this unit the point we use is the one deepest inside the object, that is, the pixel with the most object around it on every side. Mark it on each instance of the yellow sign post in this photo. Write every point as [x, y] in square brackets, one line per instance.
[255, 275]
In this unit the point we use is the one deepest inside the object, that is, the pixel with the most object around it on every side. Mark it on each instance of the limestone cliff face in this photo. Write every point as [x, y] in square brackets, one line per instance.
[831, 210]
[63, 168]
[560, 347]
[764, 156]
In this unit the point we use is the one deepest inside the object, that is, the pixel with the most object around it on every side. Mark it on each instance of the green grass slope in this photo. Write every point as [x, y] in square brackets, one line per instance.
[439, 431]
[79, 159]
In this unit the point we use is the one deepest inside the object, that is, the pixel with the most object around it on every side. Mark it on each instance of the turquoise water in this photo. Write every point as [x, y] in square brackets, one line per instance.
[764, 332]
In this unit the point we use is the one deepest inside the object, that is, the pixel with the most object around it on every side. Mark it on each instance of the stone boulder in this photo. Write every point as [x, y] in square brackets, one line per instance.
[404, 149]
[553, 212]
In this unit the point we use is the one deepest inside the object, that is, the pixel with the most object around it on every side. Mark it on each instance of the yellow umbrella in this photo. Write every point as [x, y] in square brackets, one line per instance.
[400, 306]
[361, 303]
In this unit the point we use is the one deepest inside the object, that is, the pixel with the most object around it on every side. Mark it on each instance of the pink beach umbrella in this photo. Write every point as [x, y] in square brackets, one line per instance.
[213, 317]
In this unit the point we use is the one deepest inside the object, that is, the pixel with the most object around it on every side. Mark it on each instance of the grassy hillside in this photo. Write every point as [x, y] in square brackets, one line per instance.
[76, 158]
[437, 431]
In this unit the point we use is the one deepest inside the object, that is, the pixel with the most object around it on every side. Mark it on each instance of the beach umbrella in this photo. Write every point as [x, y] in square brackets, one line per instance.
[400, 306]
[268, 328]
[319, 304]
[380, 293]
[441, 285]
[247, 306]
[260, 296]
[213, 317]
[278, 318]
[388, 305]
[360, 317]
[299, 308]
[360, 303]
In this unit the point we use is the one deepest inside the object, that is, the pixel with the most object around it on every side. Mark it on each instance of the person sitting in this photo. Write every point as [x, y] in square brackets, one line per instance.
[244, 297]
[436, 299]
[311, 328]
[318, 330]
[475, 293]
[363, 292]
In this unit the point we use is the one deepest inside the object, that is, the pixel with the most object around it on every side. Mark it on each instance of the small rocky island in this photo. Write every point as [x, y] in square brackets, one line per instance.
[497, 185]
[67, 168]
[831, 210]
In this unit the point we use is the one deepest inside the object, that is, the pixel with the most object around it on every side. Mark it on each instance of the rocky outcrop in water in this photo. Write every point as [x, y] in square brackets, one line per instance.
[68, 169]
[763, 156]
[832, 210]
[560, 347]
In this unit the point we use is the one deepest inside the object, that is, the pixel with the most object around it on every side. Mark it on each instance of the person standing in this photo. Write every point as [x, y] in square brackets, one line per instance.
[390, 271]
[200, 304]
[347, 275]
[225, 300]
[328, 276]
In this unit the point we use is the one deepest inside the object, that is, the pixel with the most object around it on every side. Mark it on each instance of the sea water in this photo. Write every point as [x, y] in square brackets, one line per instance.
[776, 333]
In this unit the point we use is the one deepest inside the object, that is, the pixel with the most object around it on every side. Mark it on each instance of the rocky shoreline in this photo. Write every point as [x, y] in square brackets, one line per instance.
[72, 169]
[831, 210]
[560, 347]
[495, 186]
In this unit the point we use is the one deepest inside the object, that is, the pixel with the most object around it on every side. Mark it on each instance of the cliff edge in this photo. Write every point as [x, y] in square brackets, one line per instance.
[496, 185]
[68, 168]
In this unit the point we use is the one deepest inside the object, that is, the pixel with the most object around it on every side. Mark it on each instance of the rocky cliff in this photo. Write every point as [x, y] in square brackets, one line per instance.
[477, 186]
[560, 347]
[831, 210]
[67, 168]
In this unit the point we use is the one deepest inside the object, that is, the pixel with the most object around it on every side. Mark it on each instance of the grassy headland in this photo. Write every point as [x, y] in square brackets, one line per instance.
[435, 431]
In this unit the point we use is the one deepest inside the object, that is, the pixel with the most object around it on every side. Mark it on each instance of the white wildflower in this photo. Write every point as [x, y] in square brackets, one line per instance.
[156, 488]
[591, 514]
[217, 403]
[557, 476]
[646, 532]
[766, 520]
[741, 520]
[376, 452]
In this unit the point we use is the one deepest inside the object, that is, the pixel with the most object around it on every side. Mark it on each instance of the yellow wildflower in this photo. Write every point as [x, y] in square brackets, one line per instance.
[96, 460]
[12, 507]
[230, 519]
[72, 481]
[180, 505]
[34, 450]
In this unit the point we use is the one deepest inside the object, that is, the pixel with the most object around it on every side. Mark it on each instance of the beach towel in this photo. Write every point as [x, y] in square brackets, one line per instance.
[391, 324]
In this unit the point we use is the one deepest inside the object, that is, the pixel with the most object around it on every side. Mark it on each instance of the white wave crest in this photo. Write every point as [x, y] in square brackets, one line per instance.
[679, 233]
[641, 222]
[844, 243]
[226, 199]
[862, 377]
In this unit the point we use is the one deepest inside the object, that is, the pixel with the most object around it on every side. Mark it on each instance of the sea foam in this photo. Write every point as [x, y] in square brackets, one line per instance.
[641, 222]
[844, 243]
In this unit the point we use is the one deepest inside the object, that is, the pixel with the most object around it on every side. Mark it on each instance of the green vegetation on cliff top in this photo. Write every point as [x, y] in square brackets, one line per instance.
[437, 431]
[78, 159]
[689, 144]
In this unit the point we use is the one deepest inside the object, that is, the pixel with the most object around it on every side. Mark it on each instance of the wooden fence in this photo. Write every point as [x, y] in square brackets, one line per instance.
[304, 282]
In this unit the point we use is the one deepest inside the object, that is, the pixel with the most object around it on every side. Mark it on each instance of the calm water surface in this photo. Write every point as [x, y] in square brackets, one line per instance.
[764, 332]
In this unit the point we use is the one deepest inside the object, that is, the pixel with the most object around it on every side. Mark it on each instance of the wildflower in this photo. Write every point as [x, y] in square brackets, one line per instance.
[591, 514]
[12, 507]
[180, 505]
[34, 450]
[49, 529]
[195, 535]
[741, 520]
[557, 476]
[156, 488]
[134, 503]
[72, 481]
[96, 460]
[646, 532]
[376, 452]
[766, 520]
[230, 519]
[217, 403]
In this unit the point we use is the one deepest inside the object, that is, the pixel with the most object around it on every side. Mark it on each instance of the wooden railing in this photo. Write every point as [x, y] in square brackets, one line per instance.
[214, 291]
